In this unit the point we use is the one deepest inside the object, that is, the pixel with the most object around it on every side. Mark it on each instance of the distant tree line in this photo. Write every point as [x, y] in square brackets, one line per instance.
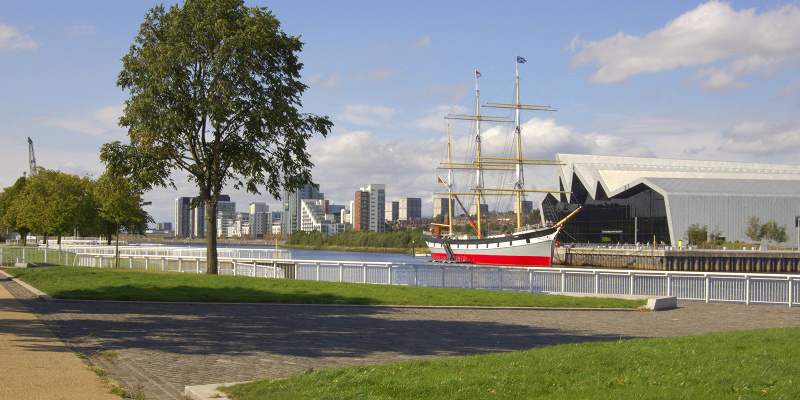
[52, 203]
[770, 231]
[353, 238]
[756, 231]
[532, 218]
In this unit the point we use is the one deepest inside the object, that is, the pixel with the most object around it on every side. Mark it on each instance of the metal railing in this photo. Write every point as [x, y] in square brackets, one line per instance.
[694, 286]
[168, 251]
[38, 255]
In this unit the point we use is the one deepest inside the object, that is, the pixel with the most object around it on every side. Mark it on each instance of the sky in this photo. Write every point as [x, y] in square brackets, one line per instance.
[669, 79]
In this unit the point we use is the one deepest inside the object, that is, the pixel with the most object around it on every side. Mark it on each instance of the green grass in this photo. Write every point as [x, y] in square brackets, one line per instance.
[763, 364]
[123, 284]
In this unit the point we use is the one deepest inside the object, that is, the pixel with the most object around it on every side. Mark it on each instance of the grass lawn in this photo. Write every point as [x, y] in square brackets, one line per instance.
[124, 284]
[757, 364]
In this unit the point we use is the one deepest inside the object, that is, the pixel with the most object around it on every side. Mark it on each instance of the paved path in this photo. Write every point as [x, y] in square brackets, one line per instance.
[34, 364]
[163, 347]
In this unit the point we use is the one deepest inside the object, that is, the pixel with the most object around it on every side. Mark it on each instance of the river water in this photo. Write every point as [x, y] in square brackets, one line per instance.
[325, 255]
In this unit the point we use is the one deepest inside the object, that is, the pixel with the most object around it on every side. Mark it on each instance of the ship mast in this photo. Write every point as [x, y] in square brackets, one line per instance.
[479, 171]
[449, 186]
[478, 165]
[499, 164]
[519, 185]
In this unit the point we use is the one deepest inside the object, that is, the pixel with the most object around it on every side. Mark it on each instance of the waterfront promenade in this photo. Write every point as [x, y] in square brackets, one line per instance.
[162, 347]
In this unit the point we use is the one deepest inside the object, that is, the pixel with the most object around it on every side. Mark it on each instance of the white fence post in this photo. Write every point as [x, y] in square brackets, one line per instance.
[364, 273]
[530, 280]
[500, 272]
[747, 289]
[669, 285]
[596, 282]
[789, 281]
[632, 278]
[317, 268]
[471, 277]
[708, 287]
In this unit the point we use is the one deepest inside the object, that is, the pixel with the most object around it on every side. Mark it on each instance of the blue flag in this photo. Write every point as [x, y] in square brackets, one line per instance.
[521, 60]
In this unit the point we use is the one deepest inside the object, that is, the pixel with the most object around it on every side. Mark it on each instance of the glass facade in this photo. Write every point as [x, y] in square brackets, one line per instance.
[636, 215]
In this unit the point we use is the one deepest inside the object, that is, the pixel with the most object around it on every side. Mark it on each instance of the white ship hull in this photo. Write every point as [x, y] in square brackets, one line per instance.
[529, 248]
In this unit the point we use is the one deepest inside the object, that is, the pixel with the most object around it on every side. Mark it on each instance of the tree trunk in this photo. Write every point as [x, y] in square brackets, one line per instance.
[211, 236]
[116, 250]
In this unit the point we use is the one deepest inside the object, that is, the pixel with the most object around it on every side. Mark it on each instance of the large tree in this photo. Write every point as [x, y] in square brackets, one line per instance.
[52, 203]
[120, 206]
[11, 203]
[214, 91]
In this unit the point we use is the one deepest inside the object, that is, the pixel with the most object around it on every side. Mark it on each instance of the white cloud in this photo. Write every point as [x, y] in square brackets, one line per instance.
[380, 74]
[549, 138]
[78, 30]
[447, 93]
[102, 123]
[426, 41]
[435, 119]
[366, 115]
[791, 90]
[13, 39]
[320, 79]
[344, 162]
[761, 138]
[738, 43]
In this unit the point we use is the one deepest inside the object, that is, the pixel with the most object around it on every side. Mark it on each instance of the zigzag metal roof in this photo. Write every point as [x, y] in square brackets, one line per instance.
[617, 174]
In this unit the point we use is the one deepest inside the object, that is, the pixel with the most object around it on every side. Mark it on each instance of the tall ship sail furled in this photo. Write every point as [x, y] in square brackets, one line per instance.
[527, 245]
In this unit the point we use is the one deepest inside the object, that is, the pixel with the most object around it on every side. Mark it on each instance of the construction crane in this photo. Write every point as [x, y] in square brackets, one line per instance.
[31, 158]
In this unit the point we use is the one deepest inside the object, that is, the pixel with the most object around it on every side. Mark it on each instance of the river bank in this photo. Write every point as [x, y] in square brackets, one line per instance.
[356, 249]
[271, 242]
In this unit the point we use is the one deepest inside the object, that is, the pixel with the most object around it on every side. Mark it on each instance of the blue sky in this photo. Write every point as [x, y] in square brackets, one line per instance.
[677, 79]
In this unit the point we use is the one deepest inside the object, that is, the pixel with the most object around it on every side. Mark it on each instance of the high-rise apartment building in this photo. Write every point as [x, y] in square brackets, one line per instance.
[191, 222]
[473, 209]
[409, 208]
[392, 211]
[370, 208]
[361, 211]
[292, 206]
[260, 220]
[442, 207]
[183, 217]
[314, 216]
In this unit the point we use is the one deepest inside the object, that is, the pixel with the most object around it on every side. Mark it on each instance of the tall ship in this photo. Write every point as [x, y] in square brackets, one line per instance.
[527, 245]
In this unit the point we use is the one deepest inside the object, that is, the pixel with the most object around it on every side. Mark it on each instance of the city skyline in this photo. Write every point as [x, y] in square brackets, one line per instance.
[682, 80]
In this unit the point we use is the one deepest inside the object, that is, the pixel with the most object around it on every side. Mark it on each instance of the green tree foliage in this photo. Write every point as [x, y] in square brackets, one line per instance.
[120, 206]
[533, 218]
[696, 234]
[774, 233]
[215, 92]
[52, 203]
[770, 231]
[10, 207]
[754, 231]
[353, 238]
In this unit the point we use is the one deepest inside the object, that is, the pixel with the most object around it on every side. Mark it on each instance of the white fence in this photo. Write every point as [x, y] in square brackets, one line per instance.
[696, 286]
[708, 287]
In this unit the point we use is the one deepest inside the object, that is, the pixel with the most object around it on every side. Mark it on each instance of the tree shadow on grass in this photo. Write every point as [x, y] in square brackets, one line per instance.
[300, 330]
[187, 293]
